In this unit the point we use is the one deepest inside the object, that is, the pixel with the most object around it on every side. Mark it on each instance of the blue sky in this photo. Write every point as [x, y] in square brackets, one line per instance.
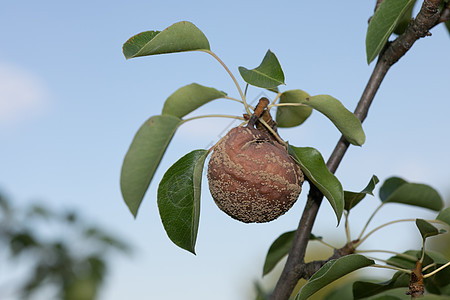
[70, 105]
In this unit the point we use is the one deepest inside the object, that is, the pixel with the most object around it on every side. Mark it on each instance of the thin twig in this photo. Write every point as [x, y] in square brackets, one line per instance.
[347, 228]
[387, 224]
[391, 268]
[232, 77]
[325, 244]
[233, 99]
[275, 100]
[437, 270]
[370, 219]
[406, 256]
[273, 132]
[429, 266]
[213, 116]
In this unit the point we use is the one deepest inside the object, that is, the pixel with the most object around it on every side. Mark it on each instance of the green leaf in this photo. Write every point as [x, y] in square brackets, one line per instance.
[267, 75]
[188, 98]
[280, 248]
[290, 116]
[371, 185]
[143, 158]
[444, 216]
[426, 229]
[440, 280]
[387, 297]
[313, 166]
[179, 37]
[352, 198]
[383, 23]
[363, 289]
[179, 199]
[331, 271]
[260, 293]
[347, 123]
[340, 292]
[435, 297]
[399, 191]
[313, 237]
[389, 186]
[436, 257]
[405, 20]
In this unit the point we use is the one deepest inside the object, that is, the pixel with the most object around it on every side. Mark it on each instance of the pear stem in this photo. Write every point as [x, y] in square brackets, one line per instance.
[259, 110]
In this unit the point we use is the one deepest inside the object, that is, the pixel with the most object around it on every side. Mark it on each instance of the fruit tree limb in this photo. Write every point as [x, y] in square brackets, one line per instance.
[295, 267]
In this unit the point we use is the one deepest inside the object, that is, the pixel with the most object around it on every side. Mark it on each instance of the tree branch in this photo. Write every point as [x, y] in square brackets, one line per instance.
[295, 267]
[445, 13]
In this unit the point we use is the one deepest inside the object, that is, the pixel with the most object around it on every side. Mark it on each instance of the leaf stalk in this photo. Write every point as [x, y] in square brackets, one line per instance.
[212, 116]
[391, 268]
[247, 109]
[437, 270]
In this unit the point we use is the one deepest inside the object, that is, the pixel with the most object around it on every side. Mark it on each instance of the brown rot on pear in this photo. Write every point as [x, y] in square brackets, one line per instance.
[251, 176]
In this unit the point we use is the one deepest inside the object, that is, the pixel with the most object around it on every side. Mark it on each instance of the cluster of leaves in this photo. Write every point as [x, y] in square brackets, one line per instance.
[72, 259]
[433, 266]
[179, 189]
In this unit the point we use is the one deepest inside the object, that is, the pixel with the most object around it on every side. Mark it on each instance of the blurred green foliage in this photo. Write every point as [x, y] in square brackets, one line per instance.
[61, 253]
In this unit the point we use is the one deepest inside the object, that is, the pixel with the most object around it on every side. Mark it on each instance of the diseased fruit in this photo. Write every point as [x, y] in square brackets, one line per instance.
[251, 177]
